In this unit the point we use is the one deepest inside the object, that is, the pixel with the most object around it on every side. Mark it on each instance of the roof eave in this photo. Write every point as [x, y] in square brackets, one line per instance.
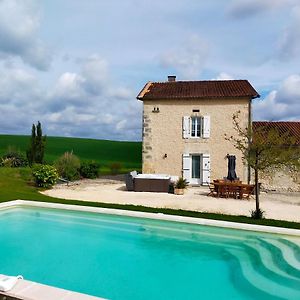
[144, 90]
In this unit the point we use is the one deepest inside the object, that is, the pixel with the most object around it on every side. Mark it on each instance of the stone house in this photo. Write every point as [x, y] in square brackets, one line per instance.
[184, 125]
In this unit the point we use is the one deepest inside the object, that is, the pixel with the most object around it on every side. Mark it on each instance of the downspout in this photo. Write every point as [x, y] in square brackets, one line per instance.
[250, 131]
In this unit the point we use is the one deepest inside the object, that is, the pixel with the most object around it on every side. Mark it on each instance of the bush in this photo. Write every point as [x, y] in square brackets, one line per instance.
[89, 169]
[68, 166]
[44, 175]
[115, 168]
[13, 160]
[257, 214]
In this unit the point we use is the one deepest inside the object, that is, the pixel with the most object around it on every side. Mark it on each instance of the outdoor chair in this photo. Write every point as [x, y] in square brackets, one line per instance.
[233, 191]
[129, 180]
[223, 191]
[247, 190]
[212, 190]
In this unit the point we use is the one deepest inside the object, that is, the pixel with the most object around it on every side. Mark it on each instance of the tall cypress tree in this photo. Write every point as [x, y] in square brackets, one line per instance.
[36, 150]
[40, 144]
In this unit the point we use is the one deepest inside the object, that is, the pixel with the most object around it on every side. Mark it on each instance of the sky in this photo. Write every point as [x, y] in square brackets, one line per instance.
[77, 66]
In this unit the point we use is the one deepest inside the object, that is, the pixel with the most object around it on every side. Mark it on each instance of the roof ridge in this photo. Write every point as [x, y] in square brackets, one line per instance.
[264, 121]
[211, 80]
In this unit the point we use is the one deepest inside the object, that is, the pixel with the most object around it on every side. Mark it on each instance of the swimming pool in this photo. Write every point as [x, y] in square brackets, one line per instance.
[120, 257]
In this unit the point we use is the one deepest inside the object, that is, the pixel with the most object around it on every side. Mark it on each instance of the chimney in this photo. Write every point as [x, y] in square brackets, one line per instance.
[171, 78]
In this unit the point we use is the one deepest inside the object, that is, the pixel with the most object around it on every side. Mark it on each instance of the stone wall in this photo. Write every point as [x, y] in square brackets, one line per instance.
[163, 142]
[285, 180]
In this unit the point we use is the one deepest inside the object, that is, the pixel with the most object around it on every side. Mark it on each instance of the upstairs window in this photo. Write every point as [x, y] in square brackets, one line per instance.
[196, 127]
[196, 123]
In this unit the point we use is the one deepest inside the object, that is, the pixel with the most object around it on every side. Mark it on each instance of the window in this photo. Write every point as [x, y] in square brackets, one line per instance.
[196, 127]
[196, 130]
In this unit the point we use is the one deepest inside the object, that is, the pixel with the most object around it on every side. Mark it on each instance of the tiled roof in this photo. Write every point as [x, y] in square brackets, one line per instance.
[197, 89]
[293, 128]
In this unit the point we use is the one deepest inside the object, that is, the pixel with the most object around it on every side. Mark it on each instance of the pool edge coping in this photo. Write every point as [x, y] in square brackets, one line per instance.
[156, 216]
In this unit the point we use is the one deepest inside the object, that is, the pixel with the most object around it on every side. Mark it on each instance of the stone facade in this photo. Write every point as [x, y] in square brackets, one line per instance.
[163, 142]
[285, 180]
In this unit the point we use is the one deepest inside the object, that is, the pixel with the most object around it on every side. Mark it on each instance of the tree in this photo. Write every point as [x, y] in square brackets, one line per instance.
[264, 149]
[36, 150]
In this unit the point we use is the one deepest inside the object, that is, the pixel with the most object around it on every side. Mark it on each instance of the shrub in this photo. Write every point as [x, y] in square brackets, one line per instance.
[13, 160]
[181, 183]
[44, 175]
[68, 166]
[257, 214]
[89, 169]
[115, 168]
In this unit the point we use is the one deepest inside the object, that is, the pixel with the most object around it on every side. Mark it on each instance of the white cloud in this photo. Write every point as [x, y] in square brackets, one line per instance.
[281, 104]
[15, 85]
[188, 59]
[223, 76]
[19, 23]
[69, 107]
[95, 70]
[69, 85]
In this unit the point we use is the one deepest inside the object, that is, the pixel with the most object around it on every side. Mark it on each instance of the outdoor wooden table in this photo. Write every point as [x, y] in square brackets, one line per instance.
[233, 189]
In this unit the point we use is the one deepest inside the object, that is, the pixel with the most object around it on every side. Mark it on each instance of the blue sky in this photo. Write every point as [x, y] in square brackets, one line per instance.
[77, 66]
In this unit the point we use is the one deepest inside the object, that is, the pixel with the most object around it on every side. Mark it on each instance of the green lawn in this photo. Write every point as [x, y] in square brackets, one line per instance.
[16, 183]
[129, 154]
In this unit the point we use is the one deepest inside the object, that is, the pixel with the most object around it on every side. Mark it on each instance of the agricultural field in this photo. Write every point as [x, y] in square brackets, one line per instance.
[128, 154]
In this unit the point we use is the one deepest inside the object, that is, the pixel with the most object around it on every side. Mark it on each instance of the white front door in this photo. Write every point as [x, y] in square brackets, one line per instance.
[195, 169]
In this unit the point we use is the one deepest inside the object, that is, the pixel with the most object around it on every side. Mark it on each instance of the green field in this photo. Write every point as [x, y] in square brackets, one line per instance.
[129, 154]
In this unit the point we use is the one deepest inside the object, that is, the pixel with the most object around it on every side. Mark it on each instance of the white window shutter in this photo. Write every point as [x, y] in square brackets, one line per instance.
[205, 169]
[206, 127]
[186, 166]
[186, 127]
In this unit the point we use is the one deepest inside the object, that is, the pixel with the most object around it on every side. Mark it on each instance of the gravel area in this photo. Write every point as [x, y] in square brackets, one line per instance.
[111, 189]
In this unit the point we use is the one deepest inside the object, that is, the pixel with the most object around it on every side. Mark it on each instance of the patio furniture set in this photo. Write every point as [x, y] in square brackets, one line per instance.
[230, 189]
[160, 183]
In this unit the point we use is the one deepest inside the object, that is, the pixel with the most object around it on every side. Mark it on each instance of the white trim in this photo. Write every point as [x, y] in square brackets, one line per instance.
[157, 216]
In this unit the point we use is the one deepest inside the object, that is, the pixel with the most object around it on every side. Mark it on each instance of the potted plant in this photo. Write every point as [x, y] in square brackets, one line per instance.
[180, 186]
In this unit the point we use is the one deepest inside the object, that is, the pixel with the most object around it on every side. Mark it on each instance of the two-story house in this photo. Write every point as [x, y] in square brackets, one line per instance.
[184, 127]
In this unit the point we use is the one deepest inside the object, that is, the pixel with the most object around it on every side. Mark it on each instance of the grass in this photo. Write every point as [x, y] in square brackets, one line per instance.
[17, 184]
[128, 154]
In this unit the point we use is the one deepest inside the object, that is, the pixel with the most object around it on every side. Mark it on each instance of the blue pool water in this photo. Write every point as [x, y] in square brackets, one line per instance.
[120, 257]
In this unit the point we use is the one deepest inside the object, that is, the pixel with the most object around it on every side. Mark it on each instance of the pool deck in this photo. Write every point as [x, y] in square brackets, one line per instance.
[29, 290]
